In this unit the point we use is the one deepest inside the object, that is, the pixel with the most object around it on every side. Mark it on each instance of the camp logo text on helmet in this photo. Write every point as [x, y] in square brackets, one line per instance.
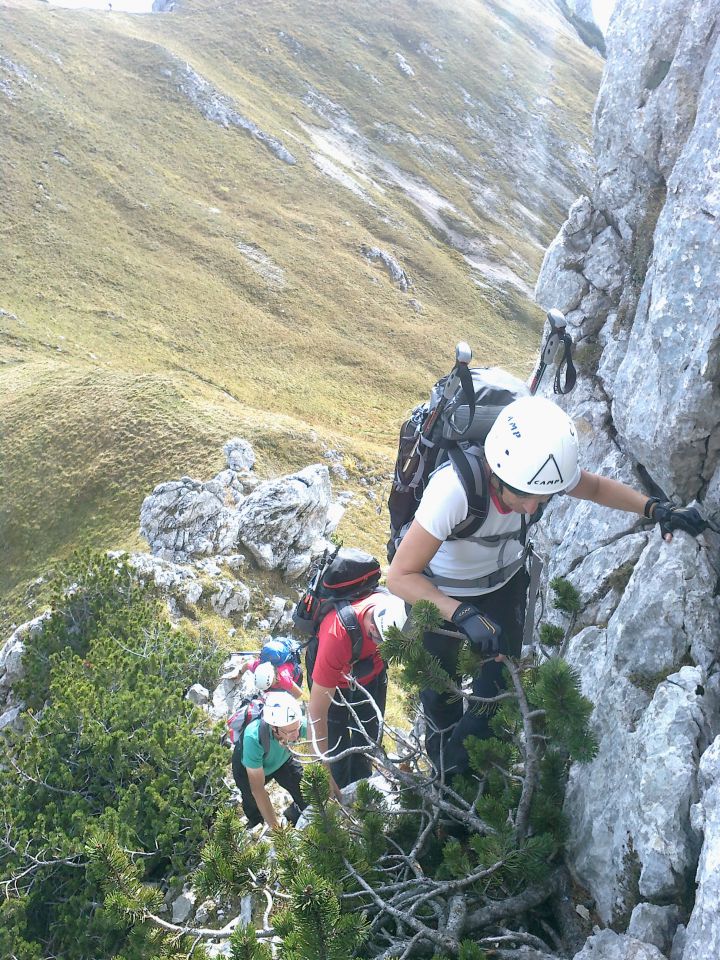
[548, 474]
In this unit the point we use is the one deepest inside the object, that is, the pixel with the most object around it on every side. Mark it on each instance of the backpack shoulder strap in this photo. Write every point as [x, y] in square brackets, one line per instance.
[468, 465]
[264, 736]
[349, 619]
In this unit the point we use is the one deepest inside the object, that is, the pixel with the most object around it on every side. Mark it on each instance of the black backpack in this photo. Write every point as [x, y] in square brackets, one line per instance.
[449, 427]
[341, 577]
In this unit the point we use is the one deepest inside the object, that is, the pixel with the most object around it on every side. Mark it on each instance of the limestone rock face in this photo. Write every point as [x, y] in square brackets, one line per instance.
[645, 241]
[239, 454]
[283, 521]
[702, 938]
[219, 108]
[608, 945]
[179, 581]
[655, 924]
[633, 265]
[231, 597]
[187, 518]
[630, 834]
[396, 272]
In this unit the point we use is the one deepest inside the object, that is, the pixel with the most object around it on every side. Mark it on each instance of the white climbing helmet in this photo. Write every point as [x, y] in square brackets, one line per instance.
[389, 611]
[264, 675]
[533, 447]
[281, 709]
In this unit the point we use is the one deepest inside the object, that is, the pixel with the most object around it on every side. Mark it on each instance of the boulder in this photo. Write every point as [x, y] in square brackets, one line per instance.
[282, 522]
[229, 693]
[608, 945]
[349, 796]
[11, 656]
[655, 924]
[175, 580]
[231, 597]
[560, 286]
[198, 694]
[605, 262]
[183, 906]
[12, 718]
[187, 518]
[396, 272]
[239, 454]
[278, 617]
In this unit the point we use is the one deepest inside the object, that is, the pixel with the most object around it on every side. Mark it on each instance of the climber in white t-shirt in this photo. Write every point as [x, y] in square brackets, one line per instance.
[480, 583]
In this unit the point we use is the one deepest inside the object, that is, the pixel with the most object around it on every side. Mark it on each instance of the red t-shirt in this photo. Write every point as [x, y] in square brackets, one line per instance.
[335, 649]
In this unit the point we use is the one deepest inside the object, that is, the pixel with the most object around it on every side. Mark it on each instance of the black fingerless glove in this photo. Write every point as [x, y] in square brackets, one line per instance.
[672, 518]
[482, 632]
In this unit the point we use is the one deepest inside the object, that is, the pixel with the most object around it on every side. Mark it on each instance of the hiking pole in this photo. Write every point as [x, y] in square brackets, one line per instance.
[463, 356]
[557, 350]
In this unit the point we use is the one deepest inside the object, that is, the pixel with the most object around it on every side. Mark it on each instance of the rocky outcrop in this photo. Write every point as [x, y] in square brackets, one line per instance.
[396, 272]
[608, 945]
[12, 670]
[631, 264]
[13, 76]
[281, 523]
[632, 268]
[188, 518]
[581, 15]
[262, 265]
[403, 66]
[219, 108]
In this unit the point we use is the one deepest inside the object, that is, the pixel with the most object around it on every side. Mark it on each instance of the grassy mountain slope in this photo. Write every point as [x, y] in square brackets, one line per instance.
[168, 282]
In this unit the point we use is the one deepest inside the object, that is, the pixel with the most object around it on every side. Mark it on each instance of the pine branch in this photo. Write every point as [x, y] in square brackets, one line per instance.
[531, 897]
[529, 750]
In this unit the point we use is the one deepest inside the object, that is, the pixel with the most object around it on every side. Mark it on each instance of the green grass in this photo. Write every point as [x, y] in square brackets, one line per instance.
[144, 339]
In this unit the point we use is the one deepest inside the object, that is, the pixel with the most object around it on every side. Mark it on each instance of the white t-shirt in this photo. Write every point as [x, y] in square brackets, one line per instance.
[444, 505]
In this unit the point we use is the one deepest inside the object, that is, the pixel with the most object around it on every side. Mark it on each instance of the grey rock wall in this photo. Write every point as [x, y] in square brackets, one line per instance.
[635, 267]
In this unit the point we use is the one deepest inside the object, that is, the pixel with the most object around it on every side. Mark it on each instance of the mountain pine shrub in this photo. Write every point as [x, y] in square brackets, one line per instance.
[112, 753]
[440, 869]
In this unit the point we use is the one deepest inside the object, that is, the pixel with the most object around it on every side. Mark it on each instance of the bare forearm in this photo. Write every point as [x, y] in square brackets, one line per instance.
[406, 578]
[265, 807]
[317, 725]
[412, 587]
[609, 493]
[295, 690]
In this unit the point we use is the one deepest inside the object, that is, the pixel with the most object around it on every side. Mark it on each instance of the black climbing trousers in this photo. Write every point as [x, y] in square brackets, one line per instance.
[343, 731]
[446, 724]
[288, 776]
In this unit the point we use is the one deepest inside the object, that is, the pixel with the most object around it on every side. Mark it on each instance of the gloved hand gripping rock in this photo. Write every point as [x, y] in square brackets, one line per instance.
[672, 518]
